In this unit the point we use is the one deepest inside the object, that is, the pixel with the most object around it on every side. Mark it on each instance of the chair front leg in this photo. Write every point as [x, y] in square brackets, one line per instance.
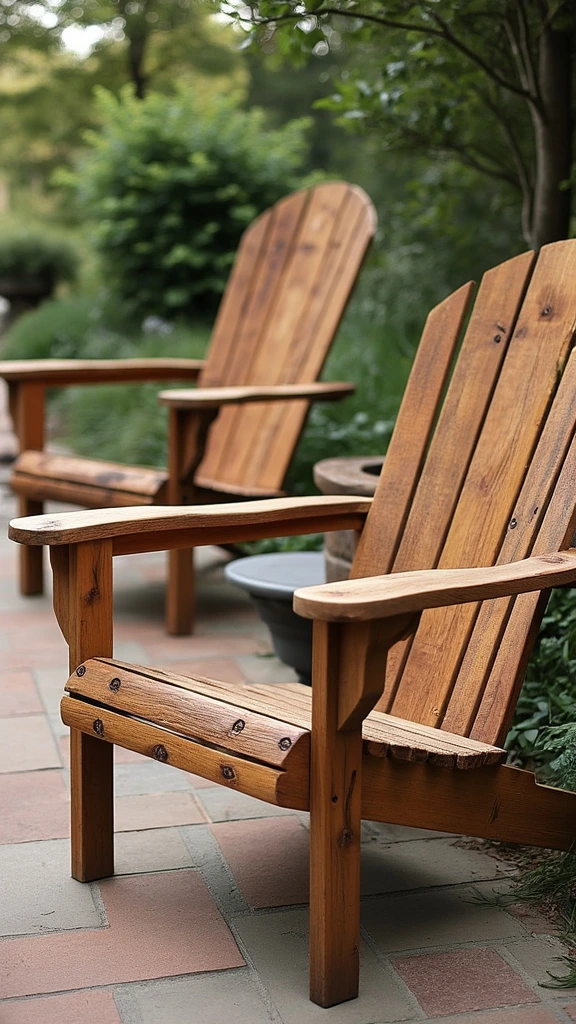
[89, 630]
[335, 826]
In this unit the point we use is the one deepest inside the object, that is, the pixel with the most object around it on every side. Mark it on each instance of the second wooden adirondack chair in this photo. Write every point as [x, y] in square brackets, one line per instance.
[418, 659]
[295, 270]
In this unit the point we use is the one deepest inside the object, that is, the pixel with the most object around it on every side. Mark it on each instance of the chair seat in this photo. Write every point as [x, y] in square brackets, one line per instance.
[84, 481]
[268, 724]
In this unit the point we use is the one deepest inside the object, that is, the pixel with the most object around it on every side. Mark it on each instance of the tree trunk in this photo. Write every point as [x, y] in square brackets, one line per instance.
[136, 49]
[553, 133]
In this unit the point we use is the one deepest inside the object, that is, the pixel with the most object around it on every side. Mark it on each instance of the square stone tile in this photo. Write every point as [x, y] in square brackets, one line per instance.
[223, 804]
[73, 1008]
[278, 946]
[157, 810]
[149, 776]
[33, 805]
[18, 695]
[266, 669]
[226, 670]
[461, 980]
[157, 849]
[540, 958]
[268, 858]
[160, 925]
[26, 744]
[41, 896]
[396, 867]
[205, 999]
[434, 919]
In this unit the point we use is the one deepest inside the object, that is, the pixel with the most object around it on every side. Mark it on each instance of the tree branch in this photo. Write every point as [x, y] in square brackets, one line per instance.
[443, 32]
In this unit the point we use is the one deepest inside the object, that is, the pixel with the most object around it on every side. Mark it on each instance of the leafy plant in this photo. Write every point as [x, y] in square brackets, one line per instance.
[548, 696]
[171, 183]
[28, 253]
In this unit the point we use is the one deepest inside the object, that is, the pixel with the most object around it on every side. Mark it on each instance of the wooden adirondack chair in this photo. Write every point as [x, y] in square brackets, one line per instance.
[416, 670]
[295, 270]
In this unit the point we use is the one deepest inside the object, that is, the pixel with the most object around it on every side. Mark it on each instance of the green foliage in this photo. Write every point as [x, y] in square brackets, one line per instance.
[171, 183]
[548, 696]
[461, 83]
[31, 253]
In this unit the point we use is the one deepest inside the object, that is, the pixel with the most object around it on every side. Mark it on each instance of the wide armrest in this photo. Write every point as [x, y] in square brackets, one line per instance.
[379, 597]
[157, 528]
[65, 372]
[204, 398]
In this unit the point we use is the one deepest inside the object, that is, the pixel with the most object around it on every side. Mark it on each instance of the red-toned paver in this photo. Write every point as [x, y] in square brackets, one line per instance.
[161, 925]
[73, 1008]
[464, 979]
[18, 694]
[33, 805]
[268, 857]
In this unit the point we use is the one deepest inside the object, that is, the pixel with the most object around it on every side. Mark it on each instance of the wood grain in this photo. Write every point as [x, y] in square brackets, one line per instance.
[65, 372]
[378, 597]
[335, 827]
[217, 397]
[510, 432]
[257, 780]
[94, 524]
[554, 451]
[91, 769]
[213, 719]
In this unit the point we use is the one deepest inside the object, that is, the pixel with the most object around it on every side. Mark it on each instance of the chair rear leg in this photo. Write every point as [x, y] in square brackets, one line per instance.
[31, 558]
[91, 784]
[180, 592]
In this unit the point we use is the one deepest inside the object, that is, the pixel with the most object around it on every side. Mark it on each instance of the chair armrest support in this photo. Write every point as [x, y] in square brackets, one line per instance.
[161, 528]
[68, 372]
[381, 597]
[202, 398]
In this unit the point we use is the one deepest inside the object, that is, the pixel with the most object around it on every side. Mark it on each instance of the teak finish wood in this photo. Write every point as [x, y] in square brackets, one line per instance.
[294, 272]
[486, 518]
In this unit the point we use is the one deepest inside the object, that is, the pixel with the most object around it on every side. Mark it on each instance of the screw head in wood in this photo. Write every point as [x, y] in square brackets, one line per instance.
[513, 524]
[160, 753]
[114, 685]
[98, 726]
[285, 743]
[547, 310]
[238, 726]
[227, 771]
[81, 670]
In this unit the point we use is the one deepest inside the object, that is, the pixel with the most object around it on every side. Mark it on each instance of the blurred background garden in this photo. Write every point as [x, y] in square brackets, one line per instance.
[138, 139]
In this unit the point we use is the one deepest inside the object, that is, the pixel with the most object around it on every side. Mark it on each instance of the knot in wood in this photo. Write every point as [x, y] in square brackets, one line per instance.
[81, 670]
[114, 685]
[497, 338]
[285, 743]
[227, 771]
[98, 726]
[238, 726]
[160, 753]
[345, 838]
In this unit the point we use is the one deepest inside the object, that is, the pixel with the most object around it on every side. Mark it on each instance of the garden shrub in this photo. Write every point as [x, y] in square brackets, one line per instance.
[33, 254]
[171, 182]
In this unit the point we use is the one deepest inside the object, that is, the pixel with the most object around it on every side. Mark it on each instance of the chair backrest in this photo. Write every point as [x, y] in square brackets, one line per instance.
[293, 275]
[480, 473]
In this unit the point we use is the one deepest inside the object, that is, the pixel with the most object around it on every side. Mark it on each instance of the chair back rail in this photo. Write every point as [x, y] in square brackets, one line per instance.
[491, 488]
[293, 275]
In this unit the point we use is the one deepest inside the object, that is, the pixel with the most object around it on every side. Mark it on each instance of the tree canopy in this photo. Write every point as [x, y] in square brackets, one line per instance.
[488, 82]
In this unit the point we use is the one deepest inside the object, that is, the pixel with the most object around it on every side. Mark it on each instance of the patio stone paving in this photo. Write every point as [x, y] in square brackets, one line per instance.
[205, 921]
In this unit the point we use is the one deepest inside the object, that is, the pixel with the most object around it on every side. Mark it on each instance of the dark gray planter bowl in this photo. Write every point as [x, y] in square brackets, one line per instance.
[271, 581]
